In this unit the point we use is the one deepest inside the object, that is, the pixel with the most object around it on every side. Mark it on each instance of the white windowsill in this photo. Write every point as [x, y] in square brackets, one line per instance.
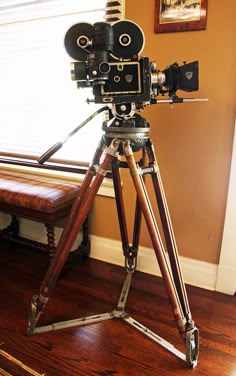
[106, 188]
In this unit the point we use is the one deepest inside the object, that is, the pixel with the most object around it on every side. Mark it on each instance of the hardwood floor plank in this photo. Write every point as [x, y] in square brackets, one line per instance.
[110, 347]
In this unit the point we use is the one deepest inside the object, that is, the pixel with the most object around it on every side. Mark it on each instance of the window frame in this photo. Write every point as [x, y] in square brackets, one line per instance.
[58, 168]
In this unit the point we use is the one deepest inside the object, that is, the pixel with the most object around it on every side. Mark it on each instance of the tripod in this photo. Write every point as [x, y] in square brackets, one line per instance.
[125, 138]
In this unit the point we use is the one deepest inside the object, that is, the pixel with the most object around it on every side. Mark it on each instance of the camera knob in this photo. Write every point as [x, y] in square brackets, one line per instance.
[104, 68]
[125, 40]
[83, 41]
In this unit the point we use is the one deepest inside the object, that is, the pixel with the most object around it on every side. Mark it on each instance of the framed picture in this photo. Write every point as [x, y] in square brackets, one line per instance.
[180, 15]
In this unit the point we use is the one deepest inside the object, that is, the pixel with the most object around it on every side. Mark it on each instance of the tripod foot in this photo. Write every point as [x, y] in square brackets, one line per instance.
[34, 313]
[192, 347]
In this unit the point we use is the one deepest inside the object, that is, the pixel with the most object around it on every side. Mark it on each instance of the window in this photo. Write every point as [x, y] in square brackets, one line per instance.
[40, 104]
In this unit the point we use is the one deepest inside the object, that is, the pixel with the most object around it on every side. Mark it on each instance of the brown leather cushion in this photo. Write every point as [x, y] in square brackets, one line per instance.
[35, 193]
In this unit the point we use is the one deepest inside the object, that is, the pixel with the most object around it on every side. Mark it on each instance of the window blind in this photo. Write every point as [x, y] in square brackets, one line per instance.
[40, 104]
[115, 10]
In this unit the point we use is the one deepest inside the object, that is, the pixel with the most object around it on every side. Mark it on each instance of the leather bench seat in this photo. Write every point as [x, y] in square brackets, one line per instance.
[35, 197]
[39, 199]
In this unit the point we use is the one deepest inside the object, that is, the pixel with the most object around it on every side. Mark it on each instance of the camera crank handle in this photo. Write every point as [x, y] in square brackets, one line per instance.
[44, 157]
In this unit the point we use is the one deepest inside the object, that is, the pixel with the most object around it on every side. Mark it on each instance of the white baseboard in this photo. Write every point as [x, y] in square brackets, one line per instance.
[226, 279]
[196, 273]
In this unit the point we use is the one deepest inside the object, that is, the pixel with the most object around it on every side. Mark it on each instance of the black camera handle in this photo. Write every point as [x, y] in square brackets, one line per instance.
[58, 145]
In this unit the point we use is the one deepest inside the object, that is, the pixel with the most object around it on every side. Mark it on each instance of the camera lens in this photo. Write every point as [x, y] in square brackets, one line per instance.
[78, 71]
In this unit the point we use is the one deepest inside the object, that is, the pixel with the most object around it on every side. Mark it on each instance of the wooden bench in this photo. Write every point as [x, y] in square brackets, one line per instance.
[40, 199]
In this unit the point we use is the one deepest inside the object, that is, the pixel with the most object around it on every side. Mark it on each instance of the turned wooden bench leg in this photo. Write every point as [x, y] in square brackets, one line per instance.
[84, 247]
[12, 232]
[51, 239]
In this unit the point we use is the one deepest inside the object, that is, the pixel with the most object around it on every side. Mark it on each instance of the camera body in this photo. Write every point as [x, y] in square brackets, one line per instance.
[126, 82]
[107, 60]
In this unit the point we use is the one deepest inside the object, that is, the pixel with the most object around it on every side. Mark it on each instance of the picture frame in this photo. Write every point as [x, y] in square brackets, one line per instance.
[180, 15]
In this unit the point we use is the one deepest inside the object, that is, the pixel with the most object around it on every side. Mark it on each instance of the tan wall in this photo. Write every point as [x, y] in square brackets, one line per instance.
[193, 142]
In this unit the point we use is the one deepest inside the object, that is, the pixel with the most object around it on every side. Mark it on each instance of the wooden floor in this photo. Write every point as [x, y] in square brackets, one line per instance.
[110, 347]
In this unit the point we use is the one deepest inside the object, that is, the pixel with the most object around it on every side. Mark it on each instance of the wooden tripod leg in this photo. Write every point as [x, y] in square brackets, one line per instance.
[138, 216]
[168, 231]
[130, 256]
[155, 238]
[138, 210]
[76, 218]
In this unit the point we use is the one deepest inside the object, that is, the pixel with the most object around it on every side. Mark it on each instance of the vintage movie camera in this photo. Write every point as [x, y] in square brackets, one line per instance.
[107, 60]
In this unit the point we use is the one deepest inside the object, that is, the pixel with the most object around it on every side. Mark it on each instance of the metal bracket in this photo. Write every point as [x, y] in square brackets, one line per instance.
[72, 323]
[150, 334]
[130, 259]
